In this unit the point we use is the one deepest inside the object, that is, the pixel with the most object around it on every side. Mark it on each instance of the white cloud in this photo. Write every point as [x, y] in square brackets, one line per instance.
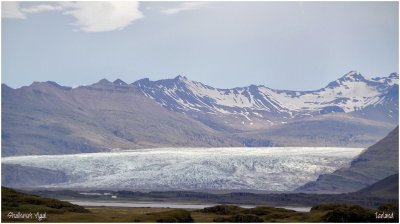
[11, 10]
[103, 16]
[184, 6]
[90, 16]
[41, 8]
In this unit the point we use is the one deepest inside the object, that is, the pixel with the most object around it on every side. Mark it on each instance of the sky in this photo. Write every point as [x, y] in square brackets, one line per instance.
[282, 45]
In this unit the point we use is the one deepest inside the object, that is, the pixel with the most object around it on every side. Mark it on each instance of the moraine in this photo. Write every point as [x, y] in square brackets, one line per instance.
[266, 169]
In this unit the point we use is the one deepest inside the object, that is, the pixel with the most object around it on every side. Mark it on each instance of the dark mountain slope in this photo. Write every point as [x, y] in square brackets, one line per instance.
[388, 187]
[46, 118]
[375, 163]
[17, 176]
[328, 130]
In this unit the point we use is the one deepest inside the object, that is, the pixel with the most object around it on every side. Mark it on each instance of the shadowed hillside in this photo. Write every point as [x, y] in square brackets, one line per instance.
[388, 187]
[374, 164]
[46, 118]
[13, 175]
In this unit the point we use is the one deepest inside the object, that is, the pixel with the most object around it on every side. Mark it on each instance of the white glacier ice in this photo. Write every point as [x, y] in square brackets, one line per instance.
[269, 169]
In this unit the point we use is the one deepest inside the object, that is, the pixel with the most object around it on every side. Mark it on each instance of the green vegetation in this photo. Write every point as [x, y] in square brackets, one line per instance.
[223, 209]
[232, 213]
[16, 201]
[177, 215]
[265, 210]
[34, 208]
[353, 213]
[356, 213]
[389, 207]
[240, 218]
[59, 211]
[319, 213]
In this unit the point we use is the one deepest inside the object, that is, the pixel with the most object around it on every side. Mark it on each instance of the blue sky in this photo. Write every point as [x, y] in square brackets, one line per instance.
[282, 45]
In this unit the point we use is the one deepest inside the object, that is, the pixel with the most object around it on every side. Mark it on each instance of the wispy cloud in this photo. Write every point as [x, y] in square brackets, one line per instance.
[41, 8]
[90, 16]
[11, 10]
[184, 6]
[103, 16]
[94, 16]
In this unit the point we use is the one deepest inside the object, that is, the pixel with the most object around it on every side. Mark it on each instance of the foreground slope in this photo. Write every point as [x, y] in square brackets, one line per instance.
[59, 211]
[14, 203]
[375, 163]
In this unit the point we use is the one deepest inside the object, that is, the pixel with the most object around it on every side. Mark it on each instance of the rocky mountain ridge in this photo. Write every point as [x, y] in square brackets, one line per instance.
[47, 118]
[254, 106]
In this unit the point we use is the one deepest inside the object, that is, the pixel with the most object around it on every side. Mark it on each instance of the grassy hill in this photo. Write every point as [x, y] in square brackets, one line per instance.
[19, 203]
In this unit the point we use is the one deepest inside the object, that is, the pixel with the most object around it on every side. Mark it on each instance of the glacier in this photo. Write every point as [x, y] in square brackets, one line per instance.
[264, 169]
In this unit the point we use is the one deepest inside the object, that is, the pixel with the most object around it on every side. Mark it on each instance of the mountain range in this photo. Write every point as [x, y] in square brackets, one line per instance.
[255, 107]
[46, 118]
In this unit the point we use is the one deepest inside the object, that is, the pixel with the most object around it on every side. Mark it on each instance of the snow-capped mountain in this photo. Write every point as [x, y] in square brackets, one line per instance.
[352, 111]
[256, 106]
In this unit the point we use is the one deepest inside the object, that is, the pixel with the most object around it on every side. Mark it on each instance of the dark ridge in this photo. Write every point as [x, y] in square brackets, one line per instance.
[388, 186]
[140, 81]
[179, 77]
[5, 86]
[103, 82]
[394, 75]
[119, 82]
[51, 84]
[376, 162]
[58, 85]
[353, 75]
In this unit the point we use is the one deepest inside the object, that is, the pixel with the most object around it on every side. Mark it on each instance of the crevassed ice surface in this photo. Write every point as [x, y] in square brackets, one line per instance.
[271, 169]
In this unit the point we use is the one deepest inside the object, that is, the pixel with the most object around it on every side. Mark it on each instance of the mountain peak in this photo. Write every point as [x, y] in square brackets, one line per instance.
[49, 84]
[181, 78]
[53, 83]
[103, 82]
[5, 86]
[391, 79]
[119, 82]
[353, 76]
[141, 82]
[394, 75]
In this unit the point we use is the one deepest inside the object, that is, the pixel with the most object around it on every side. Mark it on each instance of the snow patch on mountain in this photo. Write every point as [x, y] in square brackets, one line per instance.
[352, 92]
